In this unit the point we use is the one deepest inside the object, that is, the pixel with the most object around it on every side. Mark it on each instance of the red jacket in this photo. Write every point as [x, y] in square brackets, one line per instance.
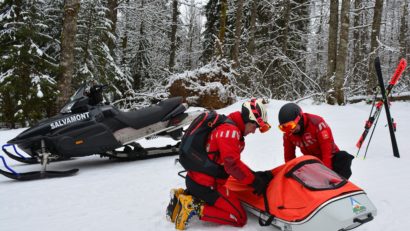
[316, 140]
[228, 140]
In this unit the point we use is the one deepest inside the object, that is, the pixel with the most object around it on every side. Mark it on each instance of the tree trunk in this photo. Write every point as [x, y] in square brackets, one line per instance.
[173, 35]
[320, 47]
[283, 41]
[9, 109]
[377, 18]
[192, 24]
[124, 38]
[238, 27]
[404, 29]
[357, 43]
[342, 52]
[332, 46]
[88, 34]
[71, 8]
[112, 15]
[252, 29]
[139, 74]
[222, 28]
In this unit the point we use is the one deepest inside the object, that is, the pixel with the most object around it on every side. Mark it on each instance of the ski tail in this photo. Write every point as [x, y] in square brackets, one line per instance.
[367, 126]
[360, 142]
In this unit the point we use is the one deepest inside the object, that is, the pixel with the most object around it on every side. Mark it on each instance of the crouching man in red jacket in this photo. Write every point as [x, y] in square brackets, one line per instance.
[206, 196]
[313, 136]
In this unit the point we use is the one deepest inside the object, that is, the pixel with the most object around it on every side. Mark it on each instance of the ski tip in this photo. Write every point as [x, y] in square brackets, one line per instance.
[403, 61]
[399, 71]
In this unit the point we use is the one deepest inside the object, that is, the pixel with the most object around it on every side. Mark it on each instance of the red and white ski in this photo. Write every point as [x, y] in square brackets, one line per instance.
[373, 118]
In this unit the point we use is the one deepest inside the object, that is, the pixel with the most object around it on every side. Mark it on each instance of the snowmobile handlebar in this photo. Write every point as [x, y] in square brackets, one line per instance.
[95, 93]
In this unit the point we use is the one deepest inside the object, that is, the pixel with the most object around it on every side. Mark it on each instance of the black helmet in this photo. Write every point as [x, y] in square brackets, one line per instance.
[289, 112]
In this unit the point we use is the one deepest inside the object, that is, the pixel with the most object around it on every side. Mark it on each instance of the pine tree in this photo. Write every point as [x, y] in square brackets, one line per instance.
[141, 59]
[94, 56]
[28, 65]
[191, 47]
[212, 10]
[238, 32]
[282, 50]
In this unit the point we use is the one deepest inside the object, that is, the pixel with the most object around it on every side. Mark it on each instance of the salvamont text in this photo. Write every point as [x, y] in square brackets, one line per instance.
[69, 120]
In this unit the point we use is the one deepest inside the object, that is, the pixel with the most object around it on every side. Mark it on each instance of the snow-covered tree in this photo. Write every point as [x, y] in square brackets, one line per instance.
[191, 46]
[94, 58]
[28, 63]
[212, 10]
[286, 49]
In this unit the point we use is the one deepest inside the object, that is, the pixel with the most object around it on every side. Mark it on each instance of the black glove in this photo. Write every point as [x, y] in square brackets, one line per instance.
[261, 181]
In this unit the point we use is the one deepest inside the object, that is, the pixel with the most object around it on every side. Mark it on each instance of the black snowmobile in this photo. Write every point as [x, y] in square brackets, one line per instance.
[87, 126]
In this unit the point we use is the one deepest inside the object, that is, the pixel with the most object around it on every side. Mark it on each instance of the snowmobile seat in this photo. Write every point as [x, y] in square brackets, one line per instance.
[149, 115]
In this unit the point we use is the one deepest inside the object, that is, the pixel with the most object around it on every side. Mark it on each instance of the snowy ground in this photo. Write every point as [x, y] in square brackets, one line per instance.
[108, 195]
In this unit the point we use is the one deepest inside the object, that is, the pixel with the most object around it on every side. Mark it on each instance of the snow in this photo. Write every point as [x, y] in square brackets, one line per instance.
[107, 195]
[20, 111]
[36, 48]
[6, 74]
[39, 92]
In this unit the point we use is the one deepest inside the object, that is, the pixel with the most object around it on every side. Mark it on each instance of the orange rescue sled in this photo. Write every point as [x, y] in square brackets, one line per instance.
[306, 195]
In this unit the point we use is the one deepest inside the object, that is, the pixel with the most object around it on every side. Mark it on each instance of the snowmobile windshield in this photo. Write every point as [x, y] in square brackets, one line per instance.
[80, 93]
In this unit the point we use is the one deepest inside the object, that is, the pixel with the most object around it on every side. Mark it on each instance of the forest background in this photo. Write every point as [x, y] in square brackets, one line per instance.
[276, 49]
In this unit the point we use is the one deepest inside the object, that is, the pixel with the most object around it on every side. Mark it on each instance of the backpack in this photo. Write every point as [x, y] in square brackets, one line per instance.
[192, 152]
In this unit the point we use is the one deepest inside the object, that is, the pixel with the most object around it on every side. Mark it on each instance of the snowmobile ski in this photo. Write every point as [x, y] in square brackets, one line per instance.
[37, 174]
[20, 157]
[374, 116]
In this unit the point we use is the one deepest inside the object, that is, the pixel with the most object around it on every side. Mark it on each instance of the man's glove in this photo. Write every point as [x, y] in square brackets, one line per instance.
[261, 181]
